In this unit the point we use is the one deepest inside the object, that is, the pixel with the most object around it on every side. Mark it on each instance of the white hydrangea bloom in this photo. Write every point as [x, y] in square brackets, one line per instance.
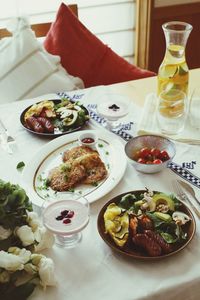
[30, 269]
[26, 235]
[46, 272]
[11, 262]
[23, 253]
[33, 220]
[35, 258]
[44, 237]
[4, 233]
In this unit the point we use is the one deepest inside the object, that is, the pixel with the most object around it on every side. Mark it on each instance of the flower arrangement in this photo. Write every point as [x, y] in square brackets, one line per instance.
[21, 237]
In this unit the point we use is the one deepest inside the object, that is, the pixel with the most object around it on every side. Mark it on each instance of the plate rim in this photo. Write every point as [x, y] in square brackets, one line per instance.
[114, 247]
[58, 142]
[46, 134]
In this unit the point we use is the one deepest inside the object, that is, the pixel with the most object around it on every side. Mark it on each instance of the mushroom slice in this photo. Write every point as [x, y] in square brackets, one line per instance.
[180, 218]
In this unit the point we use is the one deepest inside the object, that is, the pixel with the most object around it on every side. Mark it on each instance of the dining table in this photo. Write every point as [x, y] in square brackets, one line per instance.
[92, 270]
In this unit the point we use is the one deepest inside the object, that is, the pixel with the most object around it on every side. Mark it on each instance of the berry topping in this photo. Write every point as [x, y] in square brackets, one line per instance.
[59, 218]
[70, 214]
[64, 213]
[66, 221]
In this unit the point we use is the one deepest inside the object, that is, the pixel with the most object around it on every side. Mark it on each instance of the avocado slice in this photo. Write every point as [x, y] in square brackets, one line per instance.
[162, 216]
[164, 199]
[139, 203]
[70, 121]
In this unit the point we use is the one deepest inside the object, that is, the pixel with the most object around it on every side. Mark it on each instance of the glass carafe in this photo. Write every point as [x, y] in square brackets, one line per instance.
[173, 73]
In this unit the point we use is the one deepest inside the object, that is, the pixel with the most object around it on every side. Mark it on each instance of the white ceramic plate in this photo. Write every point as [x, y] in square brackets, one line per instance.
[111, 151]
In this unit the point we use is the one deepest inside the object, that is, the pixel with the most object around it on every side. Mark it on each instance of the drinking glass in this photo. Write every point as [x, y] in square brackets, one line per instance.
[66, 218]
[171, 111]
[194, 108]
[113, 107]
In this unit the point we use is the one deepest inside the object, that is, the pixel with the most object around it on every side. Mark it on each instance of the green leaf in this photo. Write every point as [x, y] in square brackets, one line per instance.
[168, 238]
[127, 201]
[20, 165]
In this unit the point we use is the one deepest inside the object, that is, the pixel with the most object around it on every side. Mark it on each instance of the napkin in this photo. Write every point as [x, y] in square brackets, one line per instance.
[148, 123]
[194, 115]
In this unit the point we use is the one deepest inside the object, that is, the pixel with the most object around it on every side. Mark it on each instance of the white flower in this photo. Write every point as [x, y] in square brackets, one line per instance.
[44, 238]
[10, 261]
[4, 233]
[46, 272]
[30, 269]
[33, 220]
[23, 253]
[26, 235]
[4, 276]
[35, 258]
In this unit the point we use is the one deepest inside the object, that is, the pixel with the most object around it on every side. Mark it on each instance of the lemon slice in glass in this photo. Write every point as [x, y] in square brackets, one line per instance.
[182, 71]
[168, 71]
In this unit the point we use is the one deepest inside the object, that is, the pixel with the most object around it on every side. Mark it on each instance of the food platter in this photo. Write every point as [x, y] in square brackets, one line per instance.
[77, 119]
[129, 248]
[110, 150]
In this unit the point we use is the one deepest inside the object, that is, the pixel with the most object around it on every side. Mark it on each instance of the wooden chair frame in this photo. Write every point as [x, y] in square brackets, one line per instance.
[39, 29]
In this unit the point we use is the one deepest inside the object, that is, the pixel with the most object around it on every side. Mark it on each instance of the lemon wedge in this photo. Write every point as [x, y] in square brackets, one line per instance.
[168, 71]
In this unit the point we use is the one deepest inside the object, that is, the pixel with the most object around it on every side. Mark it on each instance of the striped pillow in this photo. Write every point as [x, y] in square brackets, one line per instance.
[27, 70]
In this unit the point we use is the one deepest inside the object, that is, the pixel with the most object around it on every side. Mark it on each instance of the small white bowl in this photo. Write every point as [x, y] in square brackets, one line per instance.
[88, 139]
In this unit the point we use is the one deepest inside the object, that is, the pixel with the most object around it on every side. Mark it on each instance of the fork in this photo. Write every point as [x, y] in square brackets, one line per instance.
[5, 139]
[10, 139]
[180, 193]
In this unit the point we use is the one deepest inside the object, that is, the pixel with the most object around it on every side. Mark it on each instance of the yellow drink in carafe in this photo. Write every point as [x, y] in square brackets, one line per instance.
[173, 72]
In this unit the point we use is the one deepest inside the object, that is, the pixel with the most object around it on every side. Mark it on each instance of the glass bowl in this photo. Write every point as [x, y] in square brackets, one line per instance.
[151, 142]
[66, 218]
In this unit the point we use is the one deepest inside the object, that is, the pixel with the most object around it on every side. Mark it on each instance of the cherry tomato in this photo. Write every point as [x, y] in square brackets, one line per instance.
[157, 161]
[164, 155]
[155, 152]
[136, 155]
[144, 152]
[141, 161]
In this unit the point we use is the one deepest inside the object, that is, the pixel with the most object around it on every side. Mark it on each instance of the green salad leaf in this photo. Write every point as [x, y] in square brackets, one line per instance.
[20, 165]
[127, 201]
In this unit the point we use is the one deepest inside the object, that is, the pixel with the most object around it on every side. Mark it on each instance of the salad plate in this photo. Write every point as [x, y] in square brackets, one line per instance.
[53, 118]
[138, 233]
[109, 149]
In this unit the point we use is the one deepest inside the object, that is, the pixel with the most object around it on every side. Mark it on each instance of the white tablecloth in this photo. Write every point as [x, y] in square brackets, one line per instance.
[92, 270]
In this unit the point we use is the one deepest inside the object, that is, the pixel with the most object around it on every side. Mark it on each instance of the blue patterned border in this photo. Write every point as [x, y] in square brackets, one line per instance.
[185, 174]
[182, 172]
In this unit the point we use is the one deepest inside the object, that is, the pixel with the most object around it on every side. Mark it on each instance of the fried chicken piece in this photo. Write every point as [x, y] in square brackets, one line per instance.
[77, 152]
[95, 168]
[90, 159]
[81, 164]
[63, 178]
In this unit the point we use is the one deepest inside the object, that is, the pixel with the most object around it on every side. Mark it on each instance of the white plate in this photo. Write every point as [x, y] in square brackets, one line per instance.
[111, 151]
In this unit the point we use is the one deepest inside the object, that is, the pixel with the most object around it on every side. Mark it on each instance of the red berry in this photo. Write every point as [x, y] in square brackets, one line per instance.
[70, 214]
[144, 152]
[59, 218]
[141, 161]
[155, 152]
[66, 221]
[164, 155]
[157, 161]
[64, 212]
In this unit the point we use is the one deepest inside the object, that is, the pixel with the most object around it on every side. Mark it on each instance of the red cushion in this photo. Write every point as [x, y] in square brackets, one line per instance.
[84, 55]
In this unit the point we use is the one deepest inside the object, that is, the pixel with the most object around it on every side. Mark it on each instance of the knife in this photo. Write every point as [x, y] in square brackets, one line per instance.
[189, 189]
